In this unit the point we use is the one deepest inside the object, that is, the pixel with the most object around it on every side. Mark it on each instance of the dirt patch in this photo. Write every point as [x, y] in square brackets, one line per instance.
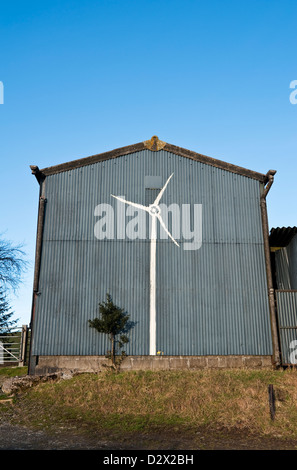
[13, 437]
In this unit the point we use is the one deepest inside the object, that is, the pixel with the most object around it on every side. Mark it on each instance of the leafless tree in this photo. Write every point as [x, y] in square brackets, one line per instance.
[12, 264]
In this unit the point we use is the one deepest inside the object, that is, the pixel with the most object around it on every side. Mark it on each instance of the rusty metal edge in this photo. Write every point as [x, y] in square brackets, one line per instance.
[41, 174]
[39, 236]
[271, 293]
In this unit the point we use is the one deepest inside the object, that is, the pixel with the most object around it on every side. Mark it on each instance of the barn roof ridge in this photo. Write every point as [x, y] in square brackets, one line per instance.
[154, 144]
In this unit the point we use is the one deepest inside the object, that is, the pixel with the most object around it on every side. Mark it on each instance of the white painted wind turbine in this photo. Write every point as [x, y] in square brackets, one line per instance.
[154, 211]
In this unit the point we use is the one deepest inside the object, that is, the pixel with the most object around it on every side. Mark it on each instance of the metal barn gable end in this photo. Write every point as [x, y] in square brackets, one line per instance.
[212, 303]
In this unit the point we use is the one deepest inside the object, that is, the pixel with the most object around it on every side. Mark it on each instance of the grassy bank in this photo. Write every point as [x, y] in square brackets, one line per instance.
[132, 402]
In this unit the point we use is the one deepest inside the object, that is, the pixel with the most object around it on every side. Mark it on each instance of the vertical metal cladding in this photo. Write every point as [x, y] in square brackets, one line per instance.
[209, 301]
[282, 269]
[286, 266]
[287, 317]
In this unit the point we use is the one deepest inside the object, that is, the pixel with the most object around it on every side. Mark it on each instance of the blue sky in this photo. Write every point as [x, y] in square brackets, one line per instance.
[82, 78]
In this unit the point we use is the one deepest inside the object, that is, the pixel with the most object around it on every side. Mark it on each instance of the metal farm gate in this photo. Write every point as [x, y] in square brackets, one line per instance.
[286, 301]
[14, 347]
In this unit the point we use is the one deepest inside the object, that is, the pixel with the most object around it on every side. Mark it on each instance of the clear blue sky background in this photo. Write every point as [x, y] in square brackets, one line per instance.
[84, 77]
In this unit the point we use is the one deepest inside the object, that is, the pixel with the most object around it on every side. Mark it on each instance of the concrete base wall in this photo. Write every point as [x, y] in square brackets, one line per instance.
[49, 364]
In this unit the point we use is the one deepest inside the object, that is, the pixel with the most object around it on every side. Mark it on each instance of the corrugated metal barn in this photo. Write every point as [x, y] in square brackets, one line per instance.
[200, 292]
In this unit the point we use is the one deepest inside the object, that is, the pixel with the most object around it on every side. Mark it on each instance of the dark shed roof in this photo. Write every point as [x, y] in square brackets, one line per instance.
[281, 236]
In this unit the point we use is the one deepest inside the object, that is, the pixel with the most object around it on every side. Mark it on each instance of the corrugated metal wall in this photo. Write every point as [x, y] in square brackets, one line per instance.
[287, 318]
[209, 301]
[286, 266]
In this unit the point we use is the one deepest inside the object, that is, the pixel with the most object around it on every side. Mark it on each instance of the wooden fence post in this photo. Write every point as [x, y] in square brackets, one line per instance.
[23, 345]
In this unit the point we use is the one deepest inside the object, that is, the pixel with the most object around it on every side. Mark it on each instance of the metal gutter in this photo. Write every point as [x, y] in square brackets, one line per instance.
[40, 223]
[271, 294]
[41, 211]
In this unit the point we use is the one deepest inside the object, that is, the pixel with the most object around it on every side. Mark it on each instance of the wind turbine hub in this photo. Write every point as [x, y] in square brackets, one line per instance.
[154, 210]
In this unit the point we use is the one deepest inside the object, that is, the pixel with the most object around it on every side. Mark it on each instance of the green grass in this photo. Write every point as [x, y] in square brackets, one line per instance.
[13, 371]
[181, 402]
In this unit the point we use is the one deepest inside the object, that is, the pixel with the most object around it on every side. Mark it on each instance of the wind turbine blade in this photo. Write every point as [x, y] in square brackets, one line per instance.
[134, 204]
[165, 228]
[157, 200]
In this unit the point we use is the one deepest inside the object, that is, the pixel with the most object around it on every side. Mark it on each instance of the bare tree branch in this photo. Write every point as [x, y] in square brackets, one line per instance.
[12, 264]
